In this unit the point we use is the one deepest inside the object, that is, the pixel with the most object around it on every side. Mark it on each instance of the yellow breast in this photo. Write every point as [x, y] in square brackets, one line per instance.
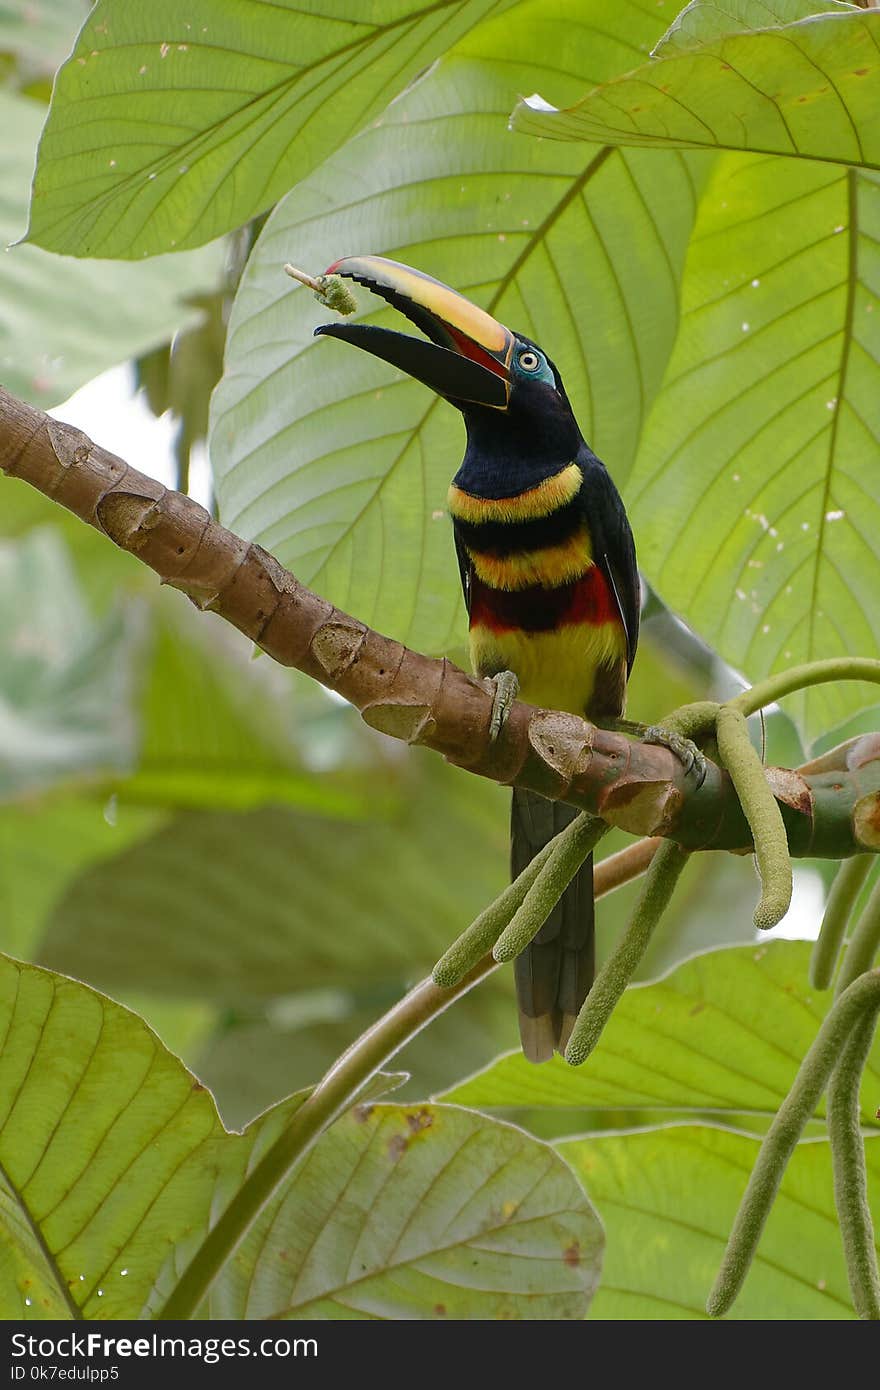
[555, 669]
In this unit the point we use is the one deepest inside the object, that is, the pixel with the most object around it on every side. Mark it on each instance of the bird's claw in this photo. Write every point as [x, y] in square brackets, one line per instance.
[506, 691]
[692, 759]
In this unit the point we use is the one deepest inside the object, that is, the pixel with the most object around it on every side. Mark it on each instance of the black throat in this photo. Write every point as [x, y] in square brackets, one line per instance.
[510, 451]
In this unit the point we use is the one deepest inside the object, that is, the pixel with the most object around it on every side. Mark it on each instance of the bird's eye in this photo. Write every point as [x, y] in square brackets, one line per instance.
[529, 361]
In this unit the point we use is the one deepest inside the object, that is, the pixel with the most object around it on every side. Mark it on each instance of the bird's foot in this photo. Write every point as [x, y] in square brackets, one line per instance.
[506, 691]
[692, 759]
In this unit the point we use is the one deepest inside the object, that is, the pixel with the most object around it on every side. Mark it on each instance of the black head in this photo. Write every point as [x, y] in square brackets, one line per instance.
[519, 421]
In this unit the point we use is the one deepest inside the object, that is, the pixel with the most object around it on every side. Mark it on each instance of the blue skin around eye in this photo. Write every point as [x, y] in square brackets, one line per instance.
[543, 373]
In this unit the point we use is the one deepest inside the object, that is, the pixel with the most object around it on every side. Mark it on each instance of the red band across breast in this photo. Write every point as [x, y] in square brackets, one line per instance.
[588, 599]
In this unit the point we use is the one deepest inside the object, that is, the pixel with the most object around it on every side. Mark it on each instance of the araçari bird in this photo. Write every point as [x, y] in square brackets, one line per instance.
[548, 568]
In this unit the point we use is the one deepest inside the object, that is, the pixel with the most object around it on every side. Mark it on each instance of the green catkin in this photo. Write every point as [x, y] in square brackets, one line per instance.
[571, 848]
[859, 1003]
[841, 900]
[850, 1177]
[617, 972]
[485, 930]
[863, 944]
[762, 812]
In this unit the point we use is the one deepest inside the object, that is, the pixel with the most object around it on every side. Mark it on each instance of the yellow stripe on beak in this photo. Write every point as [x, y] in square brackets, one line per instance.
[423, 290]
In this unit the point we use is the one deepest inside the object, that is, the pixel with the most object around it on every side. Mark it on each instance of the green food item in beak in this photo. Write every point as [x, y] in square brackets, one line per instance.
[467, 356]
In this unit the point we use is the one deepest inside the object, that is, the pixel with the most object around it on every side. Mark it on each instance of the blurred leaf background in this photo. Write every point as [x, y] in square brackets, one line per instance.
[215, 841]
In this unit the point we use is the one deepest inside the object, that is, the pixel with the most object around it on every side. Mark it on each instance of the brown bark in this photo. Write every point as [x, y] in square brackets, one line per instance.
[832, 809]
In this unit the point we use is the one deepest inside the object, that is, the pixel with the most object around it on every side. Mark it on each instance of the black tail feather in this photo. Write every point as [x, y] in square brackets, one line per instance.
[553, 975]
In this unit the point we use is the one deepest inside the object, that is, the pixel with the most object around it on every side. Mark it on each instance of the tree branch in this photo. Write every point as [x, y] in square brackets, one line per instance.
[830, 809]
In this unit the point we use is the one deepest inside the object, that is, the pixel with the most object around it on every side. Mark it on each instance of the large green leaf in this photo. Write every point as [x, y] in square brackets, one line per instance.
[724, 1032]
[193, 722]
[806, 89]
[171, 125]
[753, 497]
[111, 1153]
[44, 846]
[422, 1211]
[702, 21]
[756, 493]
[65, 680]
[250, 906]
[114, 1163]
[216, 727]
[667, 1199]
[62, 321]
[340, 465]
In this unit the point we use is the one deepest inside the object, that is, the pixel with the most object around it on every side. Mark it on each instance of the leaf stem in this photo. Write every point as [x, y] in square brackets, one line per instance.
[850, 1177]
[626, 865]
[858, 1003]
[838, 668]
[310, 281]
[335, 1093]
[863, 944]
[841, 900]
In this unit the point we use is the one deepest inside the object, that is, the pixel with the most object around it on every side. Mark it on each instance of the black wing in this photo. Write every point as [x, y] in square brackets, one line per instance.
[466, 570]
[613, 547]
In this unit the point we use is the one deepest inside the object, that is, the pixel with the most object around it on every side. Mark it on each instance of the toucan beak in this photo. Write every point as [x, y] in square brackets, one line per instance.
[467, 358]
